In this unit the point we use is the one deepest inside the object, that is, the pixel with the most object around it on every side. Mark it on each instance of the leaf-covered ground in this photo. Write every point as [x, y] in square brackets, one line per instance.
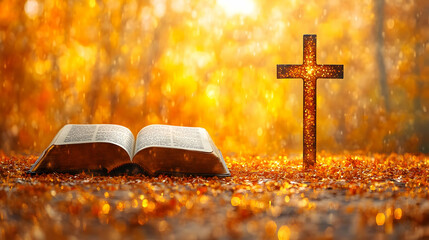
[344, 196]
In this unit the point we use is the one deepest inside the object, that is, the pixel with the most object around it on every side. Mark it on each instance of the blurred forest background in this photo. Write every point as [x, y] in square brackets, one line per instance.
[213, 64]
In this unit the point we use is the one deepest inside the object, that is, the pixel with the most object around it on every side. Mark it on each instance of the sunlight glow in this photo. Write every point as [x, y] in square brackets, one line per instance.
[32, 8]
[92, 3]
[310, 70]
[244, 7]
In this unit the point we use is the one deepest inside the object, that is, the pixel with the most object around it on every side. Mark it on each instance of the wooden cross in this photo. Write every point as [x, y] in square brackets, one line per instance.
[309, 71]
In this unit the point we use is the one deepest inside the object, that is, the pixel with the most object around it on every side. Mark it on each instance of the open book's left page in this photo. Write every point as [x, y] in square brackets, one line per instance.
[87, 147]
[91, 133]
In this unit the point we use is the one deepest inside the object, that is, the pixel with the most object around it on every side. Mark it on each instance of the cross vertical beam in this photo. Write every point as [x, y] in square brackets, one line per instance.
[309, 71]
[309, 116]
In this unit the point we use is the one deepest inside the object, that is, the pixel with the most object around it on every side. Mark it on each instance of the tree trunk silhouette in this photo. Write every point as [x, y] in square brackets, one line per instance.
[420, 122]
[14, 55]
[97, 74]
[154, 52]
[379, 38]
[117, 55]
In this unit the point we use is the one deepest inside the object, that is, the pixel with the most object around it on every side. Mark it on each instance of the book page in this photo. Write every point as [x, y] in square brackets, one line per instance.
[90, 133]
[188, 138]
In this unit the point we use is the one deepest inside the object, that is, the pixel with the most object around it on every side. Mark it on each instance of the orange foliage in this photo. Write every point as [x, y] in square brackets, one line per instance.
[372, 195]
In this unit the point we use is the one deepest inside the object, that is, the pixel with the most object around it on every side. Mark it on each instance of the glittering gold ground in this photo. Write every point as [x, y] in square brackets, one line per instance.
[344, 196]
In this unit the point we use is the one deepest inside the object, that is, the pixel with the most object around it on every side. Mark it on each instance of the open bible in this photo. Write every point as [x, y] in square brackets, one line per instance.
[157, 149]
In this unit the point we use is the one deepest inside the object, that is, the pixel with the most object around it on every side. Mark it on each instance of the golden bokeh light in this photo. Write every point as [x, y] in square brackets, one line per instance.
[284, 233]
[397, 213]
[380, 219]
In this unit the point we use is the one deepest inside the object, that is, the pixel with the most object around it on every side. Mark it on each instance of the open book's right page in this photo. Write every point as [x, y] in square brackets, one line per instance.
[187, 138]
[176, 150]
